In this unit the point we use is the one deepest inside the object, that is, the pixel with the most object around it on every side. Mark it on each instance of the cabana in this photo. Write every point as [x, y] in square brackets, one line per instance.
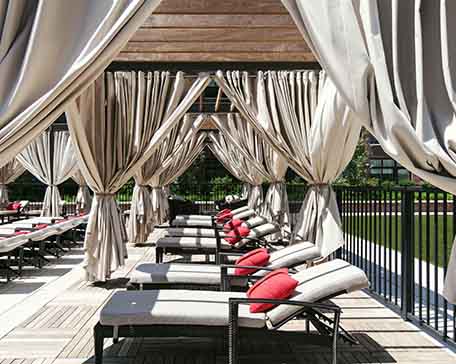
[386, 66]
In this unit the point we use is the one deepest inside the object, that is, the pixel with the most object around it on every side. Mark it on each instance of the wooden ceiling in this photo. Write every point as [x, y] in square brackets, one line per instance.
[218, 31]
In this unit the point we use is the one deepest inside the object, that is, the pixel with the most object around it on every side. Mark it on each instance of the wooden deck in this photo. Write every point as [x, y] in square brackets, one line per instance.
[48, 316]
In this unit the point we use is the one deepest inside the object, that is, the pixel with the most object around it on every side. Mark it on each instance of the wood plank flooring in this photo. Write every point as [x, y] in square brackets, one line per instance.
[58, 330]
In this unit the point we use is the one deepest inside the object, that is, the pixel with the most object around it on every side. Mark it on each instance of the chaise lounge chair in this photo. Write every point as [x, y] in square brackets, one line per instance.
[195, 232]
[182, 313]
[206, 246]
[204, 221]
[213, 277]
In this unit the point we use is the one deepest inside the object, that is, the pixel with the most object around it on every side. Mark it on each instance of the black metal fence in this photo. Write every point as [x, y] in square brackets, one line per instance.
[401, 238]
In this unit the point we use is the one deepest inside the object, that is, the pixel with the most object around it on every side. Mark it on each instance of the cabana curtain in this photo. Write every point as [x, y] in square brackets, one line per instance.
[239, 165]
[52, 166]
[47, 57]
[147, 206]
[83, 196]
[171, 169]
[240, 133]
[393, 62]
[8, 174]
[135, 112]
[318, 139]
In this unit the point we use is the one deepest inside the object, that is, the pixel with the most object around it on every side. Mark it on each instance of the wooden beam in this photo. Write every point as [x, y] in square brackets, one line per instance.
[221, 6]
[216, 57]
[187, 47]
[219, 35]
[219, 21]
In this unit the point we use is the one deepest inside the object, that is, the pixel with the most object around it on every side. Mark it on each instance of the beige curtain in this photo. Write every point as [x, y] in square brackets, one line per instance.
[8, 174]
[135, 112]
[317, 136]
[147, 206]
[393, 62]
[239, 165]
[83, 196]
[248, 143]
[49, 51]
[171, 169]
[52, 166]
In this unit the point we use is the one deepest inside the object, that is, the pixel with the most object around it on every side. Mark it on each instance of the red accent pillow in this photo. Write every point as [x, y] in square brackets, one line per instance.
[41, 226]
[223, 212]
[12, 206]
[276, 285]
[21, 232]
[235, 235]
[232, 224]
[221, 218]
[257, 257]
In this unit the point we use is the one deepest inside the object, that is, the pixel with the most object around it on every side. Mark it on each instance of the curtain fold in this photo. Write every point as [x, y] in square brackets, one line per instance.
[172, 168]
[147, 204]
[52, 165]
[393, 62]
[249, 144]
[47, 57]
[239, 164]
[8, 174]
[135, 112]
[83, 196]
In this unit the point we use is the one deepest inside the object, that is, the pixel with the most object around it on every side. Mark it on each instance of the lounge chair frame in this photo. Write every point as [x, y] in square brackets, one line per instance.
[327, 334]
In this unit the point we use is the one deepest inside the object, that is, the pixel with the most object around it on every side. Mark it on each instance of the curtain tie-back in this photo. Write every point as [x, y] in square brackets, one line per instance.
[142, 186]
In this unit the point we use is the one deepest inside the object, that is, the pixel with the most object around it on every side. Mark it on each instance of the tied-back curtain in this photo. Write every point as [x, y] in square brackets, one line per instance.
[147, 206]
[51, 164]
[275, 207]
[83, 196]
[394, 63]
[172, 168]
[239, 165]
[116, 125]
[249, 144]
[316, 135]
[177, 163]
[8, 174]
[49, 51]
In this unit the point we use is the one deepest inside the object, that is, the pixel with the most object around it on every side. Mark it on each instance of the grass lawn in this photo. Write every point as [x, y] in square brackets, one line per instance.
[382, 230]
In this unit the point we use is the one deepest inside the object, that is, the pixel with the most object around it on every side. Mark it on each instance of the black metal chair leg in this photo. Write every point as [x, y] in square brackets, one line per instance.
[99, 341]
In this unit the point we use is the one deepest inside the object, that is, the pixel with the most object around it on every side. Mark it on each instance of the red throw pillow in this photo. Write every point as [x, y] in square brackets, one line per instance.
[232, 224]
[21, 232]
[40, 226]
[276, 285]
[223, 212]
[235, 235]
[221, 218]
[257, 257]
[10, 206]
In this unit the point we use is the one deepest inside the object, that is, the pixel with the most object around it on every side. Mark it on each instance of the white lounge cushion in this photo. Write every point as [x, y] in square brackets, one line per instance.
[191, 232]
[175, 307]
[193, 222]
[319, 282]
[210, 274]
[177, 273]
[193, 217]
[190, 243]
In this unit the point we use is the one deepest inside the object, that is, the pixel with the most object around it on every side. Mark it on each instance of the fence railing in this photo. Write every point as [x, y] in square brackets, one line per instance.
[401, 238]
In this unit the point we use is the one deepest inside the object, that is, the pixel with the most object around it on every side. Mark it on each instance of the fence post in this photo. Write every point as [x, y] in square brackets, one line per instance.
[338, 253]
[407, 254]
